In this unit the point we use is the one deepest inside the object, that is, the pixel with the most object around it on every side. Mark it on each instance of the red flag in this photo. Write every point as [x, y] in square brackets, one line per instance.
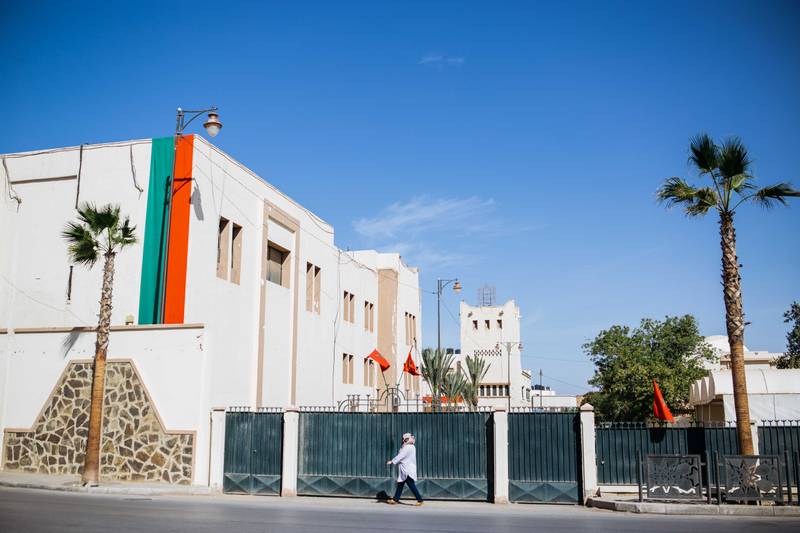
[660, 408]
[378, 358]
[409, 366]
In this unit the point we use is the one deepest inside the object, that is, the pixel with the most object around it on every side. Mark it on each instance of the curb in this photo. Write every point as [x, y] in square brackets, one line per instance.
[627, 506]
[112, 489]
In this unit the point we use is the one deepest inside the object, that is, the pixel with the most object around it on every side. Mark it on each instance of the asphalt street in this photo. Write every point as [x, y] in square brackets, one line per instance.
[23, 510]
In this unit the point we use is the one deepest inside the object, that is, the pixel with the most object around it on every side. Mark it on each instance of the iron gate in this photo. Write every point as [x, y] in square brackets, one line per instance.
[253, 445]
[544, 457]
[345, 454]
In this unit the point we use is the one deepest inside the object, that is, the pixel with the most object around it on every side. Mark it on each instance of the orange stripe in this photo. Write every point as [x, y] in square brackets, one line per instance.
[175, 293]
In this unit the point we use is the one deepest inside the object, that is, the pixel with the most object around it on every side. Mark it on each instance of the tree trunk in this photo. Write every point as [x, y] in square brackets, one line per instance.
[734, 322]
[91, 465]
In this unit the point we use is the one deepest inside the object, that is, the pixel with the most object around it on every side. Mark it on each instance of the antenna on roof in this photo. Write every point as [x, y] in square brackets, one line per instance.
[487, 295]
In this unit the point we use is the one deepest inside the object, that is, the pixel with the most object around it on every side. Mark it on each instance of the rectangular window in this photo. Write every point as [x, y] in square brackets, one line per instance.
[499, 324]
[347, 369]
[312, 288]
[349, 307]
[411, 328]
[487, 323]
[475, 324]
[223, 246]
[352, 308]
[344, 367]
[277, 265]
[236, 253]
[369, 316]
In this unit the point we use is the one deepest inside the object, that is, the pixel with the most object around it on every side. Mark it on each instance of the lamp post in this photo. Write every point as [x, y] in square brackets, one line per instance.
[508, 346]
[212, 125]
[440, 285]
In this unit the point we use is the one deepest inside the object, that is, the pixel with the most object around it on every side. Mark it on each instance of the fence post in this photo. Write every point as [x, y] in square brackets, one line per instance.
[291, 430]
[588, 453]
[500, 421]
[754, 434]
[216, 460]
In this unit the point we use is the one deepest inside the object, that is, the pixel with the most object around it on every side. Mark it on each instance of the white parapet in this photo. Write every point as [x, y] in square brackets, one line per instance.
[588, 453]
[291, 431]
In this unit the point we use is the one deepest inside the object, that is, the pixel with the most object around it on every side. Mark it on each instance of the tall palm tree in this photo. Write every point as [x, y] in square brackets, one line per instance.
[435, 366]
[476, 371]
[728, 167]
[98, 232]
[453, 388]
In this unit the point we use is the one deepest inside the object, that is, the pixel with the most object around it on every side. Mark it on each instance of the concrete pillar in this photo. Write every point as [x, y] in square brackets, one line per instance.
[291, 434]
[754, 434]
[216, 458]
[500, 421]
[588, 453]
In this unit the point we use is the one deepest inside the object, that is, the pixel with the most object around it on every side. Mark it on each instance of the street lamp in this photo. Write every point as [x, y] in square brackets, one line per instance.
[509, 345]
[440, 285]
[212, 125]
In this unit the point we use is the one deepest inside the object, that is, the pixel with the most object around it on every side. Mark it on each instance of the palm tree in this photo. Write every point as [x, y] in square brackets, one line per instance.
[476, 371]
[453, 388]
[98, 232]
[435, 367]
[728, 167]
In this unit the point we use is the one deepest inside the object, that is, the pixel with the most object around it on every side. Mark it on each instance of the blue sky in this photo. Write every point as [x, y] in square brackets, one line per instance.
[515, 144]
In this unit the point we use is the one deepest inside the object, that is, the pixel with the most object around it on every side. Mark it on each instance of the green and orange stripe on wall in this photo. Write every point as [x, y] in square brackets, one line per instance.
[162, 293]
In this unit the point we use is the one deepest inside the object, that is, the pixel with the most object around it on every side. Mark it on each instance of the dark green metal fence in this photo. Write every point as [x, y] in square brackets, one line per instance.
[617, 445]
[253, 444]
[781, 438]
[544, 457]
[345, 454]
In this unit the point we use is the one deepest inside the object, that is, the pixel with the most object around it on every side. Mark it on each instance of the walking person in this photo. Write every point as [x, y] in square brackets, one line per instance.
[407, 472]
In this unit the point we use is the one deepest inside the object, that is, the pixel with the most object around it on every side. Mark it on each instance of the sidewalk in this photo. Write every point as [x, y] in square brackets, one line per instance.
[651, 507]
[72, 483]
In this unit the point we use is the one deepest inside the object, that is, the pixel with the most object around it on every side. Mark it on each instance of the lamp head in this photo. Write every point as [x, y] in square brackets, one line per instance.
[213, 125]
[457, 287]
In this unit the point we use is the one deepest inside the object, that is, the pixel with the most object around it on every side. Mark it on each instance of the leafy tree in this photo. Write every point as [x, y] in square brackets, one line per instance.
[627, 360]
[476, 371]
[98, 232]
[728, 168]
[454, 387]
[791, 358]
[435, 367]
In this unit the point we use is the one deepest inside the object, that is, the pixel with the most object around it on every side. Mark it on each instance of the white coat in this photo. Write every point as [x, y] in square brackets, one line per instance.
[407, 459]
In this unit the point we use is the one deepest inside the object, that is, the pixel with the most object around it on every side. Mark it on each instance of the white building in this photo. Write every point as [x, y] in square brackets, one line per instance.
[254, 304]
[493, 333]
[773, 394]
[545, 397]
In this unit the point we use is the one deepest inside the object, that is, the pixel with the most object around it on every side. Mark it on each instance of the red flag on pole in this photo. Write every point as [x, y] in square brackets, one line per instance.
[409, 366]
[660, 409]
[378, 358]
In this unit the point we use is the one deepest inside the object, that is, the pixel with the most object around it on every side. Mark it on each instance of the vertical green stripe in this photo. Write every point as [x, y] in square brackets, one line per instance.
[155, 238]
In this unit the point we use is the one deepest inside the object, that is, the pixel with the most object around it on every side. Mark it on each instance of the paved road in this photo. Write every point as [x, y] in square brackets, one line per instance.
[44, 511]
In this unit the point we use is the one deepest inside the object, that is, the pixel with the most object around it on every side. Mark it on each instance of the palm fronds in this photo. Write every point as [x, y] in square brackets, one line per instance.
[98, 231]
[768, 196]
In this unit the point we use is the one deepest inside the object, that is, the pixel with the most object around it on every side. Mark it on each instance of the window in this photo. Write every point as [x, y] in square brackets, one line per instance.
[487, 323]
[313, 279]
[277, 265]
[475, 324]
[499, 324]
[347, 368]
[349, 303]
[369, 372]
[229, 250]
[223, 246]
[411, 329]
[236, 253]
[369, 316]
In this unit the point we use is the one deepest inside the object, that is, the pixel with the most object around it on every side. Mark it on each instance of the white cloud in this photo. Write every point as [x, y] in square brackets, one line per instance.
[441, 60]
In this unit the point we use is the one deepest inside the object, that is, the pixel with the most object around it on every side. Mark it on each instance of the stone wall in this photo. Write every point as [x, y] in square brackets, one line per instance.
[135, 445]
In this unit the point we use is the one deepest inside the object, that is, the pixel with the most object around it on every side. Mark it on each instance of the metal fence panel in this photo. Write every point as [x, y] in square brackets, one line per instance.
[253, 445]
[617, 445]
[781, 438]
[345, 454]
[544, 457]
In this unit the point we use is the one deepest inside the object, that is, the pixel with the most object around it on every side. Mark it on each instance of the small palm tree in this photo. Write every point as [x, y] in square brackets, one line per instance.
[435, 367]
[98, 232]
[453, 388]
[476, 371]
[728, 168]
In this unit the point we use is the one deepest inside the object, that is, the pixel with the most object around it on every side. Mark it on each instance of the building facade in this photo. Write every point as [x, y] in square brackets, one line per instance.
[493, 333]
[234, 295]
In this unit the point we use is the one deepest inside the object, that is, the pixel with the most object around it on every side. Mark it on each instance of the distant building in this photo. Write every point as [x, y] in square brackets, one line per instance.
[773, 394]
[544, 396]
[493, 333]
